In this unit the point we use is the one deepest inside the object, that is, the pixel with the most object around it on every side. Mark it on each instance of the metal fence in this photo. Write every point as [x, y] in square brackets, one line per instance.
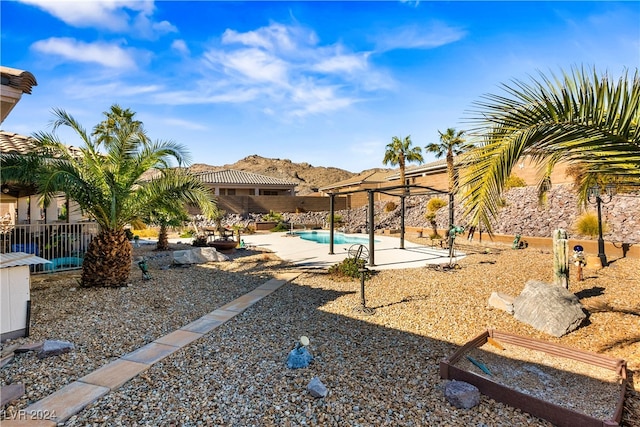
[63, 244]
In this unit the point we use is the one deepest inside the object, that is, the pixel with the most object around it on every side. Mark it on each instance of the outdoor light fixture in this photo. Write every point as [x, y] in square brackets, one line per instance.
[595, 197]
[5, 188]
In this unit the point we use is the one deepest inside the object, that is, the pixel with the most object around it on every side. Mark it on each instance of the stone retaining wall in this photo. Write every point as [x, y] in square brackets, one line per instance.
[522, 214]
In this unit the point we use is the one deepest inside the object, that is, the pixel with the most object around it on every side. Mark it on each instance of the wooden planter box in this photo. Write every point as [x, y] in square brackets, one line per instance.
[265, 225]
[556, 414]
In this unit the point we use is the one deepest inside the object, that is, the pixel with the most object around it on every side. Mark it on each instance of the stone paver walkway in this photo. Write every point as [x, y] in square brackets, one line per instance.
[74, 397]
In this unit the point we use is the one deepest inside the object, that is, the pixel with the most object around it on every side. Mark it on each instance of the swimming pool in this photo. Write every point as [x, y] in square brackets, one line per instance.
[338, 238]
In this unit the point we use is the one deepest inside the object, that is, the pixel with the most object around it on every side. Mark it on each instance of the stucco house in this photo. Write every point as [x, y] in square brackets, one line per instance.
[231, 182]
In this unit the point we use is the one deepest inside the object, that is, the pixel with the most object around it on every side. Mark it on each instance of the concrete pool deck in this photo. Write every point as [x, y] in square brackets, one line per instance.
[387, 255]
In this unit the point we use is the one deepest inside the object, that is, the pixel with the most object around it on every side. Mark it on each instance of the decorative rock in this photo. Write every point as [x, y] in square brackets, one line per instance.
[316, 388]
[54, 348]
[462, 395]
[548, 308]
[11, 392]
[299, 357]
[501, 301]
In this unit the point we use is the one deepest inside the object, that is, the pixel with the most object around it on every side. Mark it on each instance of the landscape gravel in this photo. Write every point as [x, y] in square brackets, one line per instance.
[379, 370]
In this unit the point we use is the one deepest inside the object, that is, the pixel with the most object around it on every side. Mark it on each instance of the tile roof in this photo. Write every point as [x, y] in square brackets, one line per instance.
[230, 176]
[18, 79]
[15, 143]
[437, 165]
[370, 176]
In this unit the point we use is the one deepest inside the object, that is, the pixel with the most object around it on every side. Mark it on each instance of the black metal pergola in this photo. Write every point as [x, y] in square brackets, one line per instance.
[405, 191]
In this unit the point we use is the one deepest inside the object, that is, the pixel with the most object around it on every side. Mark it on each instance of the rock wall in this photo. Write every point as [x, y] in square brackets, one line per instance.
[521, 214]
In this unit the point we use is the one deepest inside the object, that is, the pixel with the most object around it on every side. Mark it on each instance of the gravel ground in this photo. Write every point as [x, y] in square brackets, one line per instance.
[379, 370]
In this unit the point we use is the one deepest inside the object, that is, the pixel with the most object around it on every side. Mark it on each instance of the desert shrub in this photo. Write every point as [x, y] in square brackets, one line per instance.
[282, 226]
[147, 232]
[436, 203]
[514, 181]
[186, 234]
[587, 224]
[390, 206]
[348, 268]
[273, 216]
[200, 241]
[250, 229]
[433, 205]
[336, 218]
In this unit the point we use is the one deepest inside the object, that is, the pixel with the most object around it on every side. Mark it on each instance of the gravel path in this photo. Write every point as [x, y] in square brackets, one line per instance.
[380, 369]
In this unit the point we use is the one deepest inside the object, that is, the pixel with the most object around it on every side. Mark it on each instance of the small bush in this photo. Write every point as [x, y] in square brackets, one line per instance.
[187, 234]
[282, 226]
[514, 181]
[200, 241]
[587, 225]
[250, 229]
[348, 268]
[129, 233]
[273, 216]
[337, 218]
[436, 203]
[390, 206]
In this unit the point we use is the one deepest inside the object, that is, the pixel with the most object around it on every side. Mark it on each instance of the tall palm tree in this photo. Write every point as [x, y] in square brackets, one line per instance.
[451, 144]
[399, 152]
[106, 180]
[171, 212]
[581, 118]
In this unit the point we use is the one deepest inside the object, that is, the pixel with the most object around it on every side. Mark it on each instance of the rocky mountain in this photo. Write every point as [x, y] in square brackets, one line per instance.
[308, 177]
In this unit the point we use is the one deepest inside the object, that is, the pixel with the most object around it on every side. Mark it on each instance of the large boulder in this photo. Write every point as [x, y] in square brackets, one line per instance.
[198, 256]
[462, 395]
[548, 308]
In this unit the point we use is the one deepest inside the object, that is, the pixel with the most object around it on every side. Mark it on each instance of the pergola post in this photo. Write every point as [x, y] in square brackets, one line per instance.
[332, 198]
[451, 236]
[402, 209]
[371, 230]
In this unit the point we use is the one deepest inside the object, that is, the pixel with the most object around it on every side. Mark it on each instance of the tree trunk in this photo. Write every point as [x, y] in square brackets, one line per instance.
[163, 239]
[108, 260]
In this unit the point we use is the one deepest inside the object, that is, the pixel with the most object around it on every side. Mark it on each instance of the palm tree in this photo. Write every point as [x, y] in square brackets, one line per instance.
[171, 212]
[451, 144]
[582, 118]
[399, 152]
[106, 180]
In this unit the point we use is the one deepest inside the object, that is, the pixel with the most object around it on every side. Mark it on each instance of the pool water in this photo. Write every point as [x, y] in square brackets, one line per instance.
[338, 238]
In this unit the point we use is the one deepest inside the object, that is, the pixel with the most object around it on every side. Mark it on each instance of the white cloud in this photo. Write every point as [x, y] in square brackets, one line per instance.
[108, 55]
[424, 37]
[342, 63]
[257, 65]
[289, 70]
[121, 16]
[184, 124]
[96, 89]
[180, 46]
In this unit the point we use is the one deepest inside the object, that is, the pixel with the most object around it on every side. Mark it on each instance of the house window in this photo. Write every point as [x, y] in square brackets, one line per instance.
[231, 191]
[268, 192]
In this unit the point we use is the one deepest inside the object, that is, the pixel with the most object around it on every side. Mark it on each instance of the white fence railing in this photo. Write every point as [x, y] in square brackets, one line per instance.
[63, 244]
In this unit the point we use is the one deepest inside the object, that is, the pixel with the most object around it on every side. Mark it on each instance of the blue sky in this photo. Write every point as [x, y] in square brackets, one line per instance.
[327, 83]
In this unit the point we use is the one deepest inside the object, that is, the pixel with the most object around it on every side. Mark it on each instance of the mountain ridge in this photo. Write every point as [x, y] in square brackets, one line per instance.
[308, 177]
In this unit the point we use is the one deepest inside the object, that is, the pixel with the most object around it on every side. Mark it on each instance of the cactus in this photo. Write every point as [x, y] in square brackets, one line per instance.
[561, 258]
